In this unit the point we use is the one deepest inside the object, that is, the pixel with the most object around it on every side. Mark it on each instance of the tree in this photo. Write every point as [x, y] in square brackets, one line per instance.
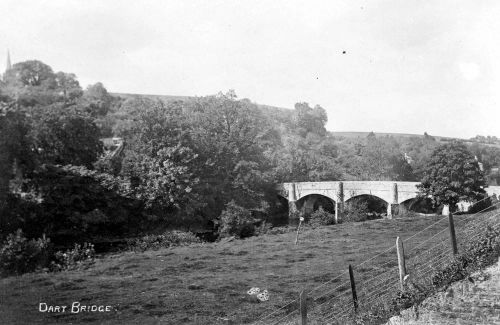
[33, 83]
[159, 161]
[309, 120]
[96, 100]
[31, 73]
[15, 148]
[231, 138]
[452, 175]
[310, 159]
[67, 85]
[401, 169]
[63, 136]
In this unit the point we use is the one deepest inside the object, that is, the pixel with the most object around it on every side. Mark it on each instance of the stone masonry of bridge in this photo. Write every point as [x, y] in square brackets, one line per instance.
[393, 193]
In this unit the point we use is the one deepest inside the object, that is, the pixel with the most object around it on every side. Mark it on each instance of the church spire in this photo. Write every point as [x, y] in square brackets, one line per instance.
[9, 65]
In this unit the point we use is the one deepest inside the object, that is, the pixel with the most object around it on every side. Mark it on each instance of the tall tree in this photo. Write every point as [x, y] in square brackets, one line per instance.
[309, 120]
[34, 83]
[159, 161]
[96, 100]
[452, 175]
[231, 138]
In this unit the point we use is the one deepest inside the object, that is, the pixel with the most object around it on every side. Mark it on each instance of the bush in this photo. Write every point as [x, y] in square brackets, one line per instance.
[477, 254]
[281, 230]
[236, 221]
[356, 211]
[482, 205]
[321, 217]
[73, 258]
[263, 229]
[19, 255]
[165, 240]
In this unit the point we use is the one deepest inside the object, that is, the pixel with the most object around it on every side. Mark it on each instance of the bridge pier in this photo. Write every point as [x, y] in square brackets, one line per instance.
[339, 204]
[293, 211]
[393, 207]
[392, 210]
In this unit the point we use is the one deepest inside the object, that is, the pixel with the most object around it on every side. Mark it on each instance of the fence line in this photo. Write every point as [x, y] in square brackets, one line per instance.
[385, 283]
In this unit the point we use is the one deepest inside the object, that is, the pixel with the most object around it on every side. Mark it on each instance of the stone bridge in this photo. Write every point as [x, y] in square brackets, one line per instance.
[338, 192]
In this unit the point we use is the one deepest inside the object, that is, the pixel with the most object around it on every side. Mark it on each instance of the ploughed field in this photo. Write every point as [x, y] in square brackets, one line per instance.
[206, 283]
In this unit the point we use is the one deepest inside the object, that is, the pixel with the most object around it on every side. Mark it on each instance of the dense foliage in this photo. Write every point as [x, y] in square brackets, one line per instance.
[199, 164]
[452, 175]
[19, 254]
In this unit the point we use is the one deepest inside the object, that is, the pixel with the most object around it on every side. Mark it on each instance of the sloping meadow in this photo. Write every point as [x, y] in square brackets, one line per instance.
[207, 283]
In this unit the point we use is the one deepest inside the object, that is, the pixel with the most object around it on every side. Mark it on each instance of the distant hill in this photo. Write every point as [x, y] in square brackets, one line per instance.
[286, 111]
[382, 134]
[153, 97]
[169, 98]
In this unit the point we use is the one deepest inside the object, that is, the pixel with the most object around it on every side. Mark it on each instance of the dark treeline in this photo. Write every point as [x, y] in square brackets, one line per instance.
[199, 163]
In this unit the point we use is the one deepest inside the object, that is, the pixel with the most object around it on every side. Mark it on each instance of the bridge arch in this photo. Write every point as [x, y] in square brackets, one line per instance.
[312, 202]
[371, 205]
[418, 204]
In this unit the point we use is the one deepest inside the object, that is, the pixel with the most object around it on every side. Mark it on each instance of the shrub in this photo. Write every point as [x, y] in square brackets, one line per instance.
[19, 255]
[321, 217]
[482, 205]
[73, 258]
[477, 254]
[355, 211]
[165, 240]
[263, 228]
[281, 230]
[236, 221]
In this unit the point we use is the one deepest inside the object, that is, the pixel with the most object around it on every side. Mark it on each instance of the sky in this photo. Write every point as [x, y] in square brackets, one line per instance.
[384, 66]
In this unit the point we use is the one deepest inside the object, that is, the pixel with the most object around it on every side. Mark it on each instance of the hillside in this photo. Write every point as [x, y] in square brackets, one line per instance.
[287, 111]
[207, 283]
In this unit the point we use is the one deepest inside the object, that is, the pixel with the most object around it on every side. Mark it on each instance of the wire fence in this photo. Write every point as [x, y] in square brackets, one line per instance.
[377, 279]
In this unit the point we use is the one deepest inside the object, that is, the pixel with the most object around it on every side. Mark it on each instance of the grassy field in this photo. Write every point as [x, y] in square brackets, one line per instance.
[207, 283]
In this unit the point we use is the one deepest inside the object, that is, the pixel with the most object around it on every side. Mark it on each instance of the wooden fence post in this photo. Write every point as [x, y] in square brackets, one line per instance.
[452, 234]
[401, 261]
[303, 307]
[353, 289]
